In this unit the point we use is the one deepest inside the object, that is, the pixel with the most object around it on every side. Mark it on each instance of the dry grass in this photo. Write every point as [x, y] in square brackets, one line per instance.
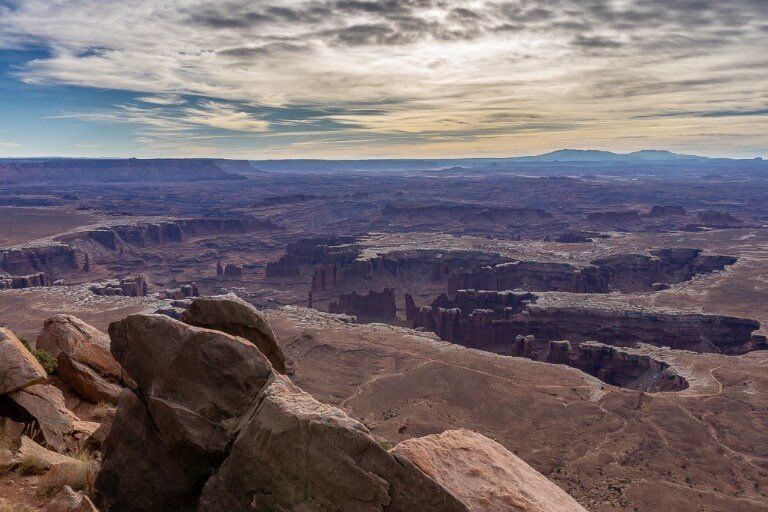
[7, 506]
[103, 411]
[74, 475]
[31, 464]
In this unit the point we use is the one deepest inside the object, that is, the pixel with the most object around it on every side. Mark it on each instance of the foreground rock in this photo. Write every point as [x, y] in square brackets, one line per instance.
[484, 475]
[84, 360]
[18, 367]
[68, 500]
[238, 318]
[213, 419]
[295, 453]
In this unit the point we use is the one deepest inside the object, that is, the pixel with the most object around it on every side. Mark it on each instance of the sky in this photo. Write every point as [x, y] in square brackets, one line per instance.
[381, 79]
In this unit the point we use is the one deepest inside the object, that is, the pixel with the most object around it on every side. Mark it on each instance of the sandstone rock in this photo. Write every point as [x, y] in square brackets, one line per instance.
[194, 385]
[374, 305]
[67, 500]
[210, 413]
[18, 367]
[7, 460]
[45, 459]
[295, 453]
[484, 475]
[45, 403]
[238, 318]
[84, 360]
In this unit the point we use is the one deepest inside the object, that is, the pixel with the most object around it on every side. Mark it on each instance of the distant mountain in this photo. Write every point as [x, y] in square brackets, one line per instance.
[593, 155]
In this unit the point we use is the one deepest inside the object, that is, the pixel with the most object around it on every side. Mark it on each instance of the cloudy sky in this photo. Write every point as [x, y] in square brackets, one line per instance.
[391, 78]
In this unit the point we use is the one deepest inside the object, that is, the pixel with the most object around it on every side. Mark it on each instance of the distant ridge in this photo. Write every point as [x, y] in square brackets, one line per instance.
[593, 155]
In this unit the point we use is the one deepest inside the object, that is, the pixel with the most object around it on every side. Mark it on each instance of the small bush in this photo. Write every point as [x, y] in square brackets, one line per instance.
[31, 464]
[45, 358]
[103, 411]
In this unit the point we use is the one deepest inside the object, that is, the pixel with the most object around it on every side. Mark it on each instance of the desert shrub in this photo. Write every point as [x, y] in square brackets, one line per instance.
[32, 464]
[45, 358]
[102, 411]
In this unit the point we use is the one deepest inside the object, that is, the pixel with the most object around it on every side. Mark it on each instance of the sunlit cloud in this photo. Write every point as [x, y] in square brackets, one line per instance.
[428, 77]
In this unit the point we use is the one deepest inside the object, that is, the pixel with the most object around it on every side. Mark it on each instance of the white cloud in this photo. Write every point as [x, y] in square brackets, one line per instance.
[462, 69]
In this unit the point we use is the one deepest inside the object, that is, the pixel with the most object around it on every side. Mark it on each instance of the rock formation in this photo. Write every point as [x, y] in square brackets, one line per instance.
[494, 320]
[52, 260]
[624, 272]
[213, 427]
[129, 287]
[379, 305]
[231, 270]
[234, 316]
[84, 359]
[31, 281]
[18, 367]
[465, 463]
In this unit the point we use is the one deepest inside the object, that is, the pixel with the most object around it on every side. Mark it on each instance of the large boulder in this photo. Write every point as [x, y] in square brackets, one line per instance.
[211, 417]
[18, 367]
[84, 359]
[484, 475]
[45, 404]
[193, 385]
[295, 453]
[234, 316]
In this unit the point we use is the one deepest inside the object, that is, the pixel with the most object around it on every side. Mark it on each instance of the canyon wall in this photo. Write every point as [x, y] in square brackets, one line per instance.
[380, 305]
[497, 328]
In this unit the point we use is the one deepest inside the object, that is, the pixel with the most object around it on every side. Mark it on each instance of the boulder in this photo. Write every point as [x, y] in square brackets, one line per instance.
[45, 403]
[194, 385]
[234, 316]
[295, 453]
[484, 475]
[68, 500]
[18, 367]
[212, 426]
[44, 458]
[84, 359]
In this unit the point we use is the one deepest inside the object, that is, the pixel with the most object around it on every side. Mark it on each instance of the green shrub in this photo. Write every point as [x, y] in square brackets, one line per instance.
[45, 358]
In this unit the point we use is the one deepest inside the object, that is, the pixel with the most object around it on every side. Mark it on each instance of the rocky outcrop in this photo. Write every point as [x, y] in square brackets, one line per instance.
[68, 500]
[471, 213]
[52, 260]
[18, 282]
[665, 211]
[627, 217]
[231, 270]
[717, 219]
[234, 316]
[84, 359]
[186, 291]
[379, 305]
[212, 428]
[484, 475]
[624, 272]
[286, 266]
[42, 406]
[147, 234]
[475, 321]
[18, 367]
[129, 287]
[295, 453]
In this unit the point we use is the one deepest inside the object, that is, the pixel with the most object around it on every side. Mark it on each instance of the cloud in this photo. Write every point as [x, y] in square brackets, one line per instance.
[402, 69]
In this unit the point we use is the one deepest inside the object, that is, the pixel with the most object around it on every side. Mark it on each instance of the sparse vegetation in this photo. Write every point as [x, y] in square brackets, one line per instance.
[74, 474]
[102, 411]
[32, 464]
[45, 358]
[7, 506]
